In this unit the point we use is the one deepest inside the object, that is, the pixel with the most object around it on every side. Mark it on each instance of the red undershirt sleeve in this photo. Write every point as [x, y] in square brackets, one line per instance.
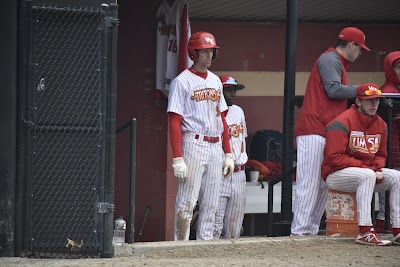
[175, 134]
[226, 146]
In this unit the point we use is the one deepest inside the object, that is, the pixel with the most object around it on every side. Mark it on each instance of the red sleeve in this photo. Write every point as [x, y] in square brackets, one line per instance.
[175, 134]
[381, 156]
[226, 146]
[337, 141]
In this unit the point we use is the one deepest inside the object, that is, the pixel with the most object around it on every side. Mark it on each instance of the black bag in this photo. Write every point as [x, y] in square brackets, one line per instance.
[266, 145]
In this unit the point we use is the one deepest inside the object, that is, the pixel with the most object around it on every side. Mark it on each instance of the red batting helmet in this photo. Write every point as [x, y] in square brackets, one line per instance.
[201, 40]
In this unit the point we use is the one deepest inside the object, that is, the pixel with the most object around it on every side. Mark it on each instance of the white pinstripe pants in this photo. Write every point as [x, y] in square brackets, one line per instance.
[232, 201]
[205, 162]
[311, 190]
[381, 213]
[362, 181]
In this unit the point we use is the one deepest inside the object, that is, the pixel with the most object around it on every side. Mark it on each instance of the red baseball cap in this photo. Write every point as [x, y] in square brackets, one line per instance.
[368, 90]
[353, 34]
[230, 81]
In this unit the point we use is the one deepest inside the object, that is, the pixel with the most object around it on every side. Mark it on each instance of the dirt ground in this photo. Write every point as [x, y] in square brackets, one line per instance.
[267, 251]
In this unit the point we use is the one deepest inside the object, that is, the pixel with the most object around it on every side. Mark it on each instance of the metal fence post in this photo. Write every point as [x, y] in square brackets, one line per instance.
[288, 115]
[110, 38]
[389, 114]
[102, 175]
[132, 183]
[28, 121]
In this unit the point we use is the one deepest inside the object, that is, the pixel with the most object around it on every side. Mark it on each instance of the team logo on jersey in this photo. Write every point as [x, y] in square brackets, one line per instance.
[162, 19]
[364, 144]
[165, 29]
[206, 94]
[209, 40]
[235, 130]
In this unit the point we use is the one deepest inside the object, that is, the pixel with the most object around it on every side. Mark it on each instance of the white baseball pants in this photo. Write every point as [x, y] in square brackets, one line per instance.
[205, 162]
[311, 190]
[232, 201]
[363, 181]
[381, 213]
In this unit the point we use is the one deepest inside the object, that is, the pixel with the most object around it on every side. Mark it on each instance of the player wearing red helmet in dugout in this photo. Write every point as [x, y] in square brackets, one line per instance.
[199, 139]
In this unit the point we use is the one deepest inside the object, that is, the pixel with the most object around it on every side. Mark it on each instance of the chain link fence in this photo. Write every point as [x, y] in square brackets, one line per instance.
[395, 132]
[66, 131]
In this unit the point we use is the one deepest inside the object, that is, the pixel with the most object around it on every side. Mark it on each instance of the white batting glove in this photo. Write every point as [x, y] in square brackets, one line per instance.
[180, 169]
[379, 177]
[229, 166]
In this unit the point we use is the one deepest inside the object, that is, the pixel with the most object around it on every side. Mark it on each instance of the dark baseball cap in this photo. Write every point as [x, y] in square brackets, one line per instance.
[230, 81]
[352, 34]
[368, 90]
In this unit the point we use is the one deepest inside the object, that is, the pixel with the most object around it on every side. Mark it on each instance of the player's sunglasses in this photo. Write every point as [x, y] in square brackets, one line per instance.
[373, 92]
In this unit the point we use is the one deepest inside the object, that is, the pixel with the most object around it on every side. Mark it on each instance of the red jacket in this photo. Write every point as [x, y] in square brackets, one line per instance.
[346, 145]
[391, 77]
[318, 109]
[391, 85]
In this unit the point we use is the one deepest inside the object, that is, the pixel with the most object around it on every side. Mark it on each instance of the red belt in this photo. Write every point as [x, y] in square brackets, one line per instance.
[210, 139]
[238, 168]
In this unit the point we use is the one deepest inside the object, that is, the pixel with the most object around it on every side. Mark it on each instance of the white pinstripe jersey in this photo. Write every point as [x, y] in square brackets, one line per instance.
[199, 101]
[237, 133]
[168, 40]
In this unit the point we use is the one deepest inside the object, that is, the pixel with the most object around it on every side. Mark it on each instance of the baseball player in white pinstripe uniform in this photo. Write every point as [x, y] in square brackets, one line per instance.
[232, 198]
[325, 98]
[354, 159]
[199, 138]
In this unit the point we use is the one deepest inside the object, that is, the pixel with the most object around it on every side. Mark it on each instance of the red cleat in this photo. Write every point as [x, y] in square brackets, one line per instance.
[372, 238]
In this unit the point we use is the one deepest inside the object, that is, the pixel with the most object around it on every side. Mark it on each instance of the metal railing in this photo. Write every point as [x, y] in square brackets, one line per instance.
[131, 125]
[271, 184]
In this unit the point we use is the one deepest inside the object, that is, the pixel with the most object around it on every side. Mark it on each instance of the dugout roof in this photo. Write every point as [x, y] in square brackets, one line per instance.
[309, 11]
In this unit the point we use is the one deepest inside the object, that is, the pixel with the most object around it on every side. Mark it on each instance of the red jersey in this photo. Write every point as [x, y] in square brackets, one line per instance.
[354, 140]
[318, 108]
